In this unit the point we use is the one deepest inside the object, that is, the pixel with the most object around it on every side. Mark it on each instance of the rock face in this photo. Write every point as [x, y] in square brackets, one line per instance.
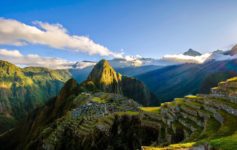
[106, 79]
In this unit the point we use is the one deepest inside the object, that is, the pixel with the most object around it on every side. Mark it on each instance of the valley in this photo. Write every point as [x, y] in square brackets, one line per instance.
[89, 116]
[118, 75]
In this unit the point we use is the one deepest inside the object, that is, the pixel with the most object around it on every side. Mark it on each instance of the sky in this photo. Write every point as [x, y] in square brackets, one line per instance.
[75, 30]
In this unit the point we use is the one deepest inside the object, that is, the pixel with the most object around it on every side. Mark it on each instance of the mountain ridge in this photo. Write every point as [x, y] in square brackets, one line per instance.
[23, 89]
[99, 120]
[105, 78]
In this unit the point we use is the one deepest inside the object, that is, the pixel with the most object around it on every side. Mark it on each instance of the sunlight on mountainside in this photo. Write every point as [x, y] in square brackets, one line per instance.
[118, 75]
[150, 109]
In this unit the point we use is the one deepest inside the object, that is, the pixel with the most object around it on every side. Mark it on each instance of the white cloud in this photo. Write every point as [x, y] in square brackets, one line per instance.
[187, 59]
[13, 32]
[15, 57]
[7, 53]
[221, 57]
[83, 64]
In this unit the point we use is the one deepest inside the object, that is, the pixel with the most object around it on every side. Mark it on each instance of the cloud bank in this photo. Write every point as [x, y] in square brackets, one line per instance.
[187, 59]
[13, 32]
[15, 57]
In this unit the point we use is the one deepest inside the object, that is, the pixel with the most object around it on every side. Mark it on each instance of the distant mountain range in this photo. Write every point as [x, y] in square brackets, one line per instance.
[27, 88]
[190, 56]
[180, 80]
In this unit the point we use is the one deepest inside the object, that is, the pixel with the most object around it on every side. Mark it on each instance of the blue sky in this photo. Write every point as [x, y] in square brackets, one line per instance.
[149, 28]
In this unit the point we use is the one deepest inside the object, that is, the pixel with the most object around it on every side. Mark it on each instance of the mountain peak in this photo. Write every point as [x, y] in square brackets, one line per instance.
[105, 76]
[102, 64]
[192, 52]
[233, 51]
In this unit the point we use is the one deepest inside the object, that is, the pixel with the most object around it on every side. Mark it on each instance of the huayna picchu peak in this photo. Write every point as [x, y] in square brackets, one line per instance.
[103, 77]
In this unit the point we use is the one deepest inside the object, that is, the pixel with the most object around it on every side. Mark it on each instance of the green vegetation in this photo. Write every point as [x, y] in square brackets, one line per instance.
[22, 90]
[98, 100]
[93, 115]
[225, 143]
[150, 109]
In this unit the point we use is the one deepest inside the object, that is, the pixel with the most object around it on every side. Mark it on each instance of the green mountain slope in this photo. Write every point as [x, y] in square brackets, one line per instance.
[22, 90]
[208, 121]
[180, 80]
[82, 117]
[88, 114]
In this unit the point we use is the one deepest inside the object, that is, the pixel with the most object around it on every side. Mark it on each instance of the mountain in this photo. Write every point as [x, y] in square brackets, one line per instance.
[87, 120]
[180, 80]
[22, 90]
[192, 52]
[104, 77]
[232, 52]
[81, 74]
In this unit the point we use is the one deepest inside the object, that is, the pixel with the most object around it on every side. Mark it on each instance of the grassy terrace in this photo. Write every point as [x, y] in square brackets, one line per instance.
[225, 143]
[219, 136]
[171, 147]
[150, 109]
[98, 100]
[224, 101]
[211, 126]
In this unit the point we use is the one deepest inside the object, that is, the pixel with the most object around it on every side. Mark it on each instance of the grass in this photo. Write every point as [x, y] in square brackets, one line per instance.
[229, 126]
[191, 96]
[211, 126]
[171, 147]
[225, 101]
[225, 143]
[150, 109]
[98, 100]
[179, 100]
[234, 79]
[131, 113]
